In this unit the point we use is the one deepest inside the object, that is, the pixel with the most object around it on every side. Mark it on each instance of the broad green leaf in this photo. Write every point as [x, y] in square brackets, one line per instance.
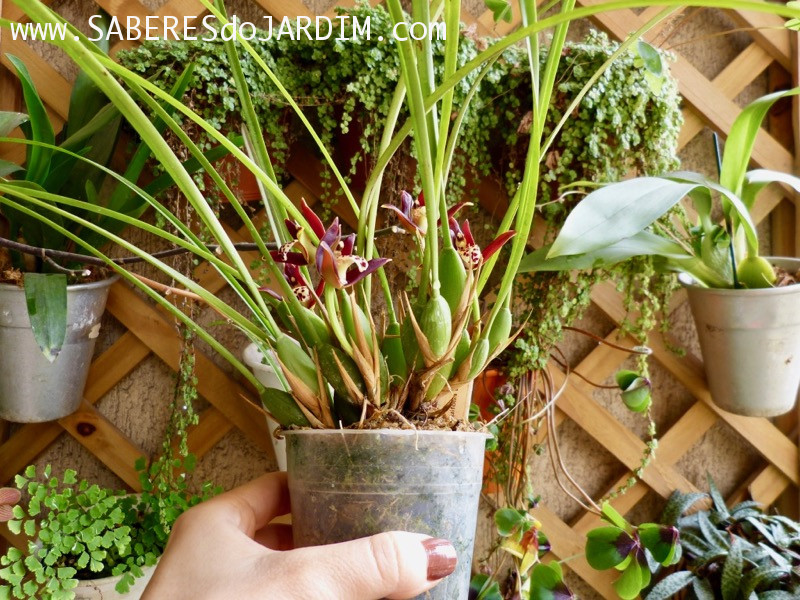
[631, 581]
[643, 243]
[742, 137]
[607, 547]
[547, 583]
[755, 180]
[9, 121]
[669, 586]
[651, 58]
[509, 521]
[732, 572]
[46, 298]
[660, 540]
[38, 126]
[86, 98]
[484, 588]
[728, 196]
[616, 212]
[613, 516]
[501, 10]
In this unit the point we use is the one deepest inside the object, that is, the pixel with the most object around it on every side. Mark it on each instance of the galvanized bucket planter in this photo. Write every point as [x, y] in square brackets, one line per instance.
[32, 389]
[751, 345]
[347, 484]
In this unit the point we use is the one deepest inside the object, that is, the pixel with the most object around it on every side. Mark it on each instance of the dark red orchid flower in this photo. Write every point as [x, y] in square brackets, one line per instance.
[300, 250]
[411, 213]
[336, 262]
[299, 284]
[470, 252]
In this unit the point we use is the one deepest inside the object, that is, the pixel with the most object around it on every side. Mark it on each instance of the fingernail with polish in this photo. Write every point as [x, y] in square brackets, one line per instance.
[442, 558]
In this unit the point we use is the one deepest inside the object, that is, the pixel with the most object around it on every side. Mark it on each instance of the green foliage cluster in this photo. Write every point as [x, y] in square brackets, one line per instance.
[78, 531]
[626, 123]
[738, 553]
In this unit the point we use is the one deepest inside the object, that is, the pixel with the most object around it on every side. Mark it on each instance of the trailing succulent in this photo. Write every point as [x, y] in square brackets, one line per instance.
[78, 530]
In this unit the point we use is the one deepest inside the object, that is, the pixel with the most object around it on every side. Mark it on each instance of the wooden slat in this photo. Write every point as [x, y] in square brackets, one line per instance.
[106, 371]
[284, 8]
[105, 441]
[769, 31]
[215, 385]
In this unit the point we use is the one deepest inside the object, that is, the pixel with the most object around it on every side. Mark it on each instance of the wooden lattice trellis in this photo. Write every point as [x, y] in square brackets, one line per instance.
[709, 102]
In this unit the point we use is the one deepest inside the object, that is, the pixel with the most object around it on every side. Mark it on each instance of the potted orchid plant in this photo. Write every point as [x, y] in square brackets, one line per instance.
[370, 375]
[740, 300]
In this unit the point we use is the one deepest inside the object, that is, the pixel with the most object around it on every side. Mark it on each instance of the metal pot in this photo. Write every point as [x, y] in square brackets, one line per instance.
[32, 389]
[751, 344]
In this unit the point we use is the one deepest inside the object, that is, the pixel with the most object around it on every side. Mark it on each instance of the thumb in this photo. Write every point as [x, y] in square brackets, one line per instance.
[393, 565]
[8, 497]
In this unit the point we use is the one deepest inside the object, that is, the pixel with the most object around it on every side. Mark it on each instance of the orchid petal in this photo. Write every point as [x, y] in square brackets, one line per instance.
[451, 212]
[293, 227]
[327, 266]
[331, 236]
[313, 220]
[405, 222]
[293, 258]
[347, 244]
[497, 243]
[406, 202]
[467, 233]
[364, 269]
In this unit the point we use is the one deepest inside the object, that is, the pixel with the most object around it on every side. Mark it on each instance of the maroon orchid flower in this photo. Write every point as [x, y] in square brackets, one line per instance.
[336, 262]
[470, 252]
[411, 213]
[299, 284]
[300, 250]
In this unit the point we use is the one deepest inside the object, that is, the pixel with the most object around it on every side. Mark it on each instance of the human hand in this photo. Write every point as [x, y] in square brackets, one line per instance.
[225, 548]
[8, 498]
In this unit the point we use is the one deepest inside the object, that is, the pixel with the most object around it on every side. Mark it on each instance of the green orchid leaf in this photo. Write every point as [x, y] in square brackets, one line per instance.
[617, 212]
[730, 200]
[661, 541]
[643, 243]
[608, 547]
[755, 180]
[669, 586]
[547, 583]
[651, 58]
[9, 121]
[46, 298]
[716, 497]
[38, 126]
[7, 168]
[631, 582]
[742, 138]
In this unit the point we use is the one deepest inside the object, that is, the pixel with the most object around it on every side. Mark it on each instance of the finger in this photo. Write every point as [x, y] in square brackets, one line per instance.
[393, 565]
[8, 498]
[275, 536]
[253, 505]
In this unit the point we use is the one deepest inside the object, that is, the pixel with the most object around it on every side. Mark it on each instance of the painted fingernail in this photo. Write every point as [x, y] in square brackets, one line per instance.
[442, 558]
